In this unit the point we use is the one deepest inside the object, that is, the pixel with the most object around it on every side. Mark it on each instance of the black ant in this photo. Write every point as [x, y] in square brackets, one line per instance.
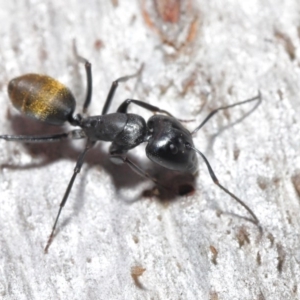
[169, 143]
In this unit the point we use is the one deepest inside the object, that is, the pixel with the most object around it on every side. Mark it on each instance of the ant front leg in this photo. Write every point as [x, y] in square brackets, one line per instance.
[119, 159]
[124, 106]
[68, 190]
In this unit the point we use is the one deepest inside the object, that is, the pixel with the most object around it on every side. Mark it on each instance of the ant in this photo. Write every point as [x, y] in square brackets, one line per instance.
[169, 144]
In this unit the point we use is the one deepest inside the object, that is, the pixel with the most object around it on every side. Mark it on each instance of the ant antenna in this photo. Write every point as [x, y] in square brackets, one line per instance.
[258, 97]
[216, 181]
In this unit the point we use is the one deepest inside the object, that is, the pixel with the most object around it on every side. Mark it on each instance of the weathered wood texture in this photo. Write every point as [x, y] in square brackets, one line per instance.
[198, 55]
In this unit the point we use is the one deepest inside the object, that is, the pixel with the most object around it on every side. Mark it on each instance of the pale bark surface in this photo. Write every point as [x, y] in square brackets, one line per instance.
[197, 57]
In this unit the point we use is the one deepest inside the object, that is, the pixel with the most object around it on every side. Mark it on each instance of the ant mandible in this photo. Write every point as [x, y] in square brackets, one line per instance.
[169, 143]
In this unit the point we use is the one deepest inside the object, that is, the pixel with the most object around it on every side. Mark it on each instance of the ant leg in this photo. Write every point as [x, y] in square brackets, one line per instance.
[119, 159]
[74, 134]
[216, 181]
[89, 83]
[258, 97]
[114, 88]
[124, 106]
[68, 190]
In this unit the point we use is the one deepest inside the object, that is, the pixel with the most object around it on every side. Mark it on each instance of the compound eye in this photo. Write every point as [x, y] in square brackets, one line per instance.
[173, 148]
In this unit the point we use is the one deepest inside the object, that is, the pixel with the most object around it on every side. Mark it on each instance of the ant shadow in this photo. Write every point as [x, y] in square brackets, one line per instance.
[121, 175]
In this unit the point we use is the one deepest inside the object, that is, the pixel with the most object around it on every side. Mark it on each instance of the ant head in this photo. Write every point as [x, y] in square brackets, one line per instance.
[167, 140]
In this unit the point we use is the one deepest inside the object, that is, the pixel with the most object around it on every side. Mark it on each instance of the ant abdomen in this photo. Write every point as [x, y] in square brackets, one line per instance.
[42, 98]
